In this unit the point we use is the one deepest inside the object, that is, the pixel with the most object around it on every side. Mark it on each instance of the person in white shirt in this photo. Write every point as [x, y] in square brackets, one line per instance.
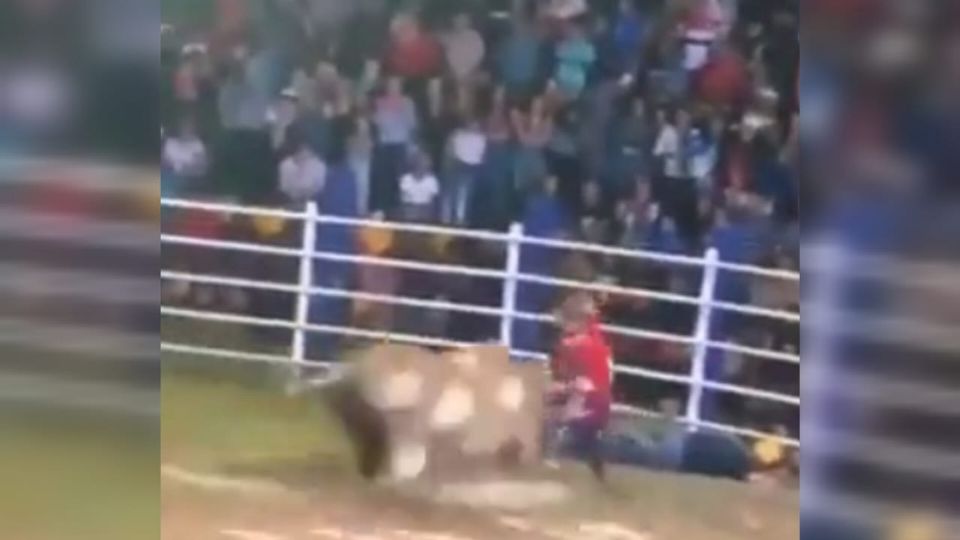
[697, 44]
[464, 48]
[419, 190]
[671, 146]
[677, 189]
[185, 156]
[699, 33]
[467, 148]
[302, 175]
[282, 115]
[469, 144]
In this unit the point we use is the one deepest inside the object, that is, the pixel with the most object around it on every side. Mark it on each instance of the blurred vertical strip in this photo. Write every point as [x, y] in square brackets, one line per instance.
[881, 376]
[78, 255]
[79, 350]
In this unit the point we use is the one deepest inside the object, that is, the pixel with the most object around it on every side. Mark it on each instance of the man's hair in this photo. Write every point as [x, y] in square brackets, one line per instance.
[576, 309]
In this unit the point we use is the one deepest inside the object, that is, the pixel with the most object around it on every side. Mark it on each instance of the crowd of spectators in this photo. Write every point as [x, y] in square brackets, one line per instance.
[665, 125]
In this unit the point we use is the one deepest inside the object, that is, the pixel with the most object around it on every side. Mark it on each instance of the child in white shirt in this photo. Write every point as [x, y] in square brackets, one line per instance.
[419, 190]
[186, 156]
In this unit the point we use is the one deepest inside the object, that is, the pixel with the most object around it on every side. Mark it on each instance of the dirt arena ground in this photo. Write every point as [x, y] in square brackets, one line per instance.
[244, 462]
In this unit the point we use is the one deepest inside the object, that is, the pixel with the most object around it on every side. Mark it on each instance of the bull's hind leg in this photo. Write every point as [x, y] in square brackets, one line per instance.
[366, 428]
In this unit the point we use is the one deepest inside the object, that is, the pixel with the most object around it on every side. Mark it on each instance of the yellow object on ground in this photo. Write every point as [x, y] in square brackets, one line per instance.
[769, 452]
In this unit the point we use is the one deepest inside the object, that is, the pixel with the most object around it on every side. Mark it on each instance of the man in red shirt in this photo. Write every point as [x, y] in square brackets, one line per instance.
[413, 53]
[582, 370]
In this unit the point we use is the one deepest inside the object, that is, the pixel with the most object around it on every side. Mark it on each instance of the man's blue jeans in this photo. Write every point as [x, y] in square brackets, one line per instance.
[458, 194]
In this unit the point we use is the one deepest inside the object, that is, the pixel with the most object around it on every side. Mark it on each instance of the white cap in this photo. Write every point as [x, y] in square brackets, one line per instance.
[194, 48]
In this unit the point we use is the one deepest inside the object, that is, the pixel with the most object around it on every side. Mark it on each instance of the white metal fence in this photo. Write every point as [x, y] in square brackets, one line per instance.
[699, 342]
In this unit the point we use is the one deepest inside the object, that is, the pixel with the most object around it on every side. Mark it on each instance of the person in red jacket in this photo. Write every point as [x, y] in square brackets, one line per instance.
[580, 396]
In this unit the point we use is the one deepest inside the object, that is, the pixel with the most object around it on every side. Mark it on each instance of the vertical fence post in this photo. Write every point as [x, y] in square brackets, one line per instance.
[509, 302]
[305, 281]
[698, 371]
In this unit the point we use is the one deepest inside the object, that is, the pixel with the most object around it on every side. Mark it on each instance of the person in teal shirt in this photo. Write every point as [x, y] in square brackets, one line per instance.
[575, 56]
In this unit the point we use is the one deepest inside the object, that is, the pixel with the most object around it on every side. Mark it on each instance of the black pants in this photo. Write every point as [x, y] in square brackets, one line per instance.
[679, 200]
[568, 170]
[389, 164]
[245, 166]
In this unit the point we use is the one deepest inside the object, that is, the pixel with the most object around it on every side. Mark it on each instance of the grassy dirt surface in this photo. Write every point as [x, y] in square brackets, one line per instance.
[242, 460]
[77, 477]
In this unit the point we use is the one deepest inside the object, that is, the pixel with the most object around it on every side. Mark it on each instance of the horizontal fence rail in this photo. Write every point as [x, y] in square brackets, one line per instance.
[240, 283]
[665, 258]
[507, 312]
[250, 247]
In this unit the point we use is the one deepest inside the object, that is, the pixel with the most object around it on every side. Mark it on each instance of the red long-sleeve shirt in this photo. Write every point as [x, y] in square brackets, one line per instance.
[587, 355]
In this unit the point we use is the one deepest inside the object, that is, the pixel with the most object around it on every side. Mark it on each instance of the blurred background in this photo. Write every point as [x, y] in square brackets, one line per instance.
[79, 189]
[880, 371]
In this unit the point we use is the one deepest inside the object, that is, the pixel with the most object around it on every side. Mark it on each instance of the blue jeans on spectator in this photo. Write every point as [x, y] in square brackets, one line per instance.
[495, 188]
[170, 187]
[458, 193]
[361, 167]
[327, 310]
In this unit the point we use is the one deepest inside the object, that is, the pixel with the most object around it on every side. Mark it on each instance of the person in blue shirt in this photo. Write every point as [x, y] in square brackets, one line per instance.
[738, 240]
[339, 198]
[629, 165]
[664, 238]
[545, 217]
[775, 182]
[575, 55]
[518, 59]
[629, 34]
